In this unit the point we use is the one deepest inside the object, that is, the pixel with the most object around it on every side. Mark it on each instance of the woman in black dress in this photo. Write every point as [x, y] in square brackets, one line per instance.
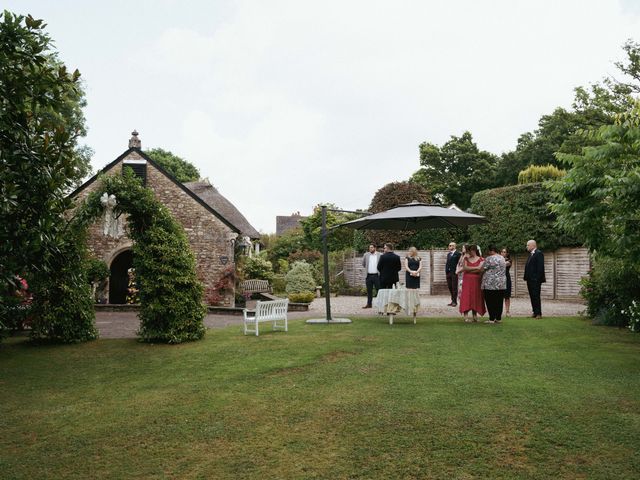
[413, 266]
[507, 295]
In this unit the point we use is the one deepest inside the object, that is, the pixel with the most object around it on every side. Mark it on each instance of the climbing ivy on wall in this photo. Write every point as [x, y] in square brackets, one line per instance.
[171, 308]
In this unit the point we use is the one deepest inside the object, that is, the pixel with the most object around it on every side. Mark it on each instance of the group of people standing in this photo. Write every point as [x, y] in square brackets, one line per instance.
[477, 284]
[383, 270]
[482, 285]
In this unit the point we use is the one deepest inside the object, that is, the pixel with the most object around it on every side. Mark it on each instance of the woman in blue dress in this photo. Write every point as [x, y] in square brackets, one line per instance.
[413, 266]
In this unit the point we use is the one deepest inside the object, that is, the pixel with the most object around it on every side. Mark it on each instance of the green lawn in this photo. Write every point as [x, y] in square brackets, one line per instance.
[551, 398]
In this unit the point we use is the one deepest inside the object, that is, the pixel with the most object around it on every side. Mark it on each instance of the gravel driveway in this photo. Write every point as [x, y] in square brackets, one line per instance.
[125, 324]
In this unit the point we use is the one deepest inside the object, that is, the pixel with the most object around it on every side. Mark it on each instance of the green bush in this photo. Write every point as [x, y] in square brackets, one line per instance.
[610, 289]
[278, 284]
[540, 173]
[300, 278]
[302, 297]
[257, 267]
[515, 215]
[97, 270]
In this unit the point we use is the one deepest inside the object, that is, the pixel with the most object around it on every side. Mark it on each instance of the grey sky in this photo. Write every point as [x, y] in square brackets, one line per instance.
[287, 104]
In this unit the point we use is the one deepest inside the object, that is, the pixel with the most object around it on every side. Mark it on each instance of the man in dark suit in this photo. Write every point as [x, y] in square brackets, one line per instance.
[450, 270]
[389, 265]
[534, 276]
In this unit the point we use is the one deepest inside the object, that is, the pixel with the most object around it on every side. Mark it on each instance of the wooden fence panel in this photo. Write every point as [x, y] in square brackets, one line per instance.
[572, 264]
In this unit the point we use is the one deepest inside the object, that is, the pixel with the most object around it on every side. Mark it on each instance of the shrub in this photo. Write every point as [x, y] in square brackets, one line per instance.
[515, 215]
[610, 289]
[302, 297]
[539, 173]
[97, 275]
[278, 284]
[309, 256]
[300, 278]
[97, 270]
[257, 267]
[16, 305]
[633, 312]
[217, 294]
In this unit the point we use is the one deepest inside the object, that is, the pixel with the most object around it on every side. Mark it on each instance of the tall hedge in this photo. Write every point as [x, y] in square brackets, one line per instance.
[516, 214]
[171, 307]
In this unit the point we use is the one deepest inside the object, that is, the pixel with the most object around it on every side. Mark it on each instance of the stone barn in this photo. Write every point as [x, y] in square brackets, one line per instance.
[213, 225]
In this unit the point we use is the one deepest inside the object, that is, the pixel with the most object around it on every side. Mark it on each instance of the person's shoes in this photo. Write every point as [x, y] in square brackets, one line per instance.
[534, 316]
[451, 304]
[507, 314]
[467, 320]
[538, 316]
[489, 321]
[367, 306]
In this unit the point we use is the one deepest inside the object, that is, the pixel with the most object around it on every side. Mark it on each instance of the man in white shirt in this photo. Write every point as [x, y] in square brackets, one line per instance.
[370, 263]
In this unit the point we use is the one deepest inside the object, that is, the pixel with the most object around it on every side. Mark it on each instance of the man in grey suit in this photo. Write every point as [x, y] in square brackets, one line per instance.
[370, 264]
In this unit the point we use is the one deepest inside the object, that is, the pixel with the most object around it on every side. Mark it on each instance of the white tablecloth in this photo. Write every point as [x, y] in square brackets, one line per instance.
[397, 299]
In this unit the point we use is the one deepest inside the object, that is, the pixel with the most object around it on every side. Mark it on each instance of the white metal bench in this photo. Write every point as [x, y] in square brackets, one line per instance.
[255, 286]
[266, 311]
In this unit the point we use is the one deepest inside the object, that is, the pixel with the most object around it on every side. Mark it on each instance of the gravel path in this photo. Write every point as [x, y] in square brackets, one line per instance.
[125, 324]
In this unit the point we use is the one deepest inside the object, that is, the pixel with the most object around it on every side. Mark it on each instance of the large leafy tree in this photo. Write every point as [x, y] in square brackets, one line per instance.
[600, 194]
[181, 169]
[561, 130]
[41, 121]
[599, 200]
[389, 196]
[455, 171]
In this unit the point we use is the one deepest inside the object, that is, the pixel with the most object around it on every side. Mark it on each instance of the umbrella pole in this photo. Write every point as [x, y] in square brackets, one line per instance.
[327, 291]
[325, 253]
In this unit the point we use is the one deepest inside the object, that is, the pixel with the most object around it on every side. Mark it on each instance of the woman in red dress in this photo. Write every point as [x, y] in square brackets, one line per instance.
[471, 299]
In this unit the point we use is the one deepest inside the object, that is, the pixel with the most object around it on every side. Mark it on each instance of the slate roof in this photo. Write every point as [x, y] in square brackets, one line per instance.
[219, 203]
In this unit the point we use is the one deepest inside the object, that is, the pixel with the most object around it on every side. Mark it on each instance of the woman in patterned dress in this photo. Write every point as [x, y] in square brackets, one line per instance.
[494, 283]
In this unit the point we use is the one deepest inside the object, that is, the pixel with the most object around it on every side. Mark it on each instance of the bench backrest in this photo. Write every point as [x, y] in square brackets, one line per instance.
[256, 286]
[272, 309]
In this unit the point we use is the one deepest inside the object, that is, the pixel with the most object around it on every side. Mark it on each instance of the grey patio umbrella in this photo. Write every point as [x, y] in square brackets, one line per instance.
[415, 216]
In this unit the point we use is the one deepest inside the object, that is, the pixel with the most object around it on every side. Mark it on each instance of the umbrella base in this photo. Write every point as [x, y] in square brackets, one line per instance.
[325, 321]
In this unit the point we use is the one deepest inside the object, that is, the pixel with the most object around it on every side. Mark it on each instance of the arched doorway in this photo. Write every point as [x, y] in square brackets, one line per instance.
[119, 278]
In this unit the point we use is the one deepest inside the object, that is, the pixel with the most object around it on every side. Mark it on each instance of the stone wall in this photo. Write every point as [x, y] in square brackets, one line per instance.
[208, 236]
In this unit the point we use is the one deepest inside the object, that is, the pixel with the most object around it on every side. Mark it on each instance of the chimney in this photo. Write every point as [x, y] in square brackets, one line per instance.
[134, 141]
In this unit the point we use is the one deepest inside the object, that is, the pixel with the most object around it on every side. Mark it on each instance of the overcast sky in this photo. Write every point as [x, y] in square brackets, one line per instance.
[287, 104]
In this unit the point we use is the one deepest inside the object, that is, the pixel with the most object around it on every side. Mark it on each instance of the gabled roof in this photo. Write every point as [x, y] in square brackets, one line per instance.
[218, 202]
[221, 216]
